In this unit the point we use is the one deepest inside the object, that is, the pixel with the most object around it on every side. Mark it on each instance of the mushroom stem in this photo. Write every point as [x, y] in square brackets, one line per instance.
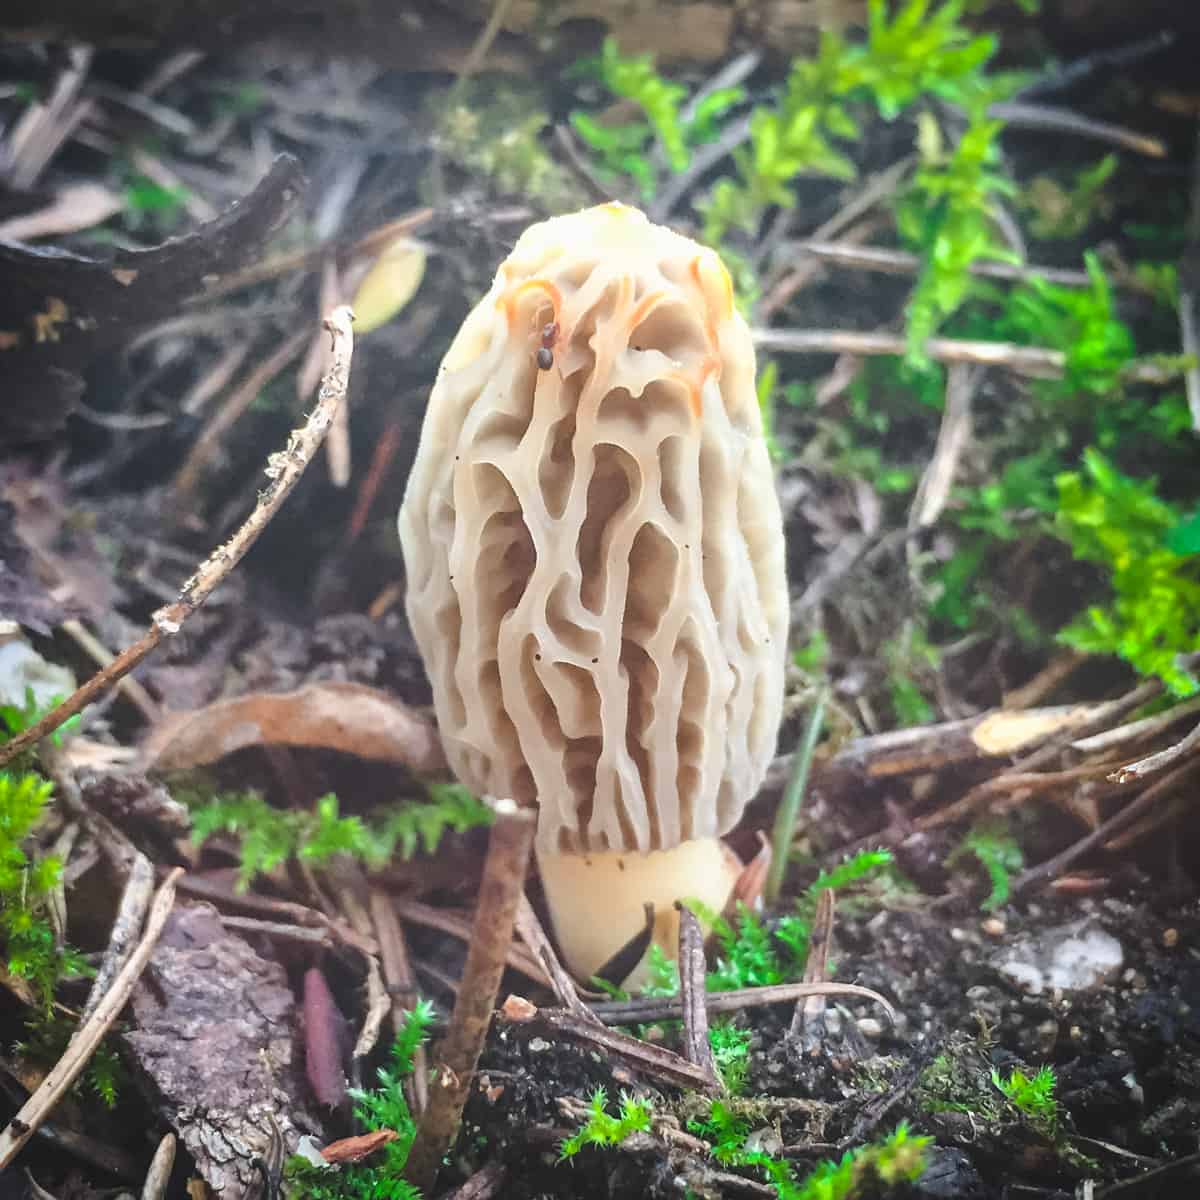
[597, 901]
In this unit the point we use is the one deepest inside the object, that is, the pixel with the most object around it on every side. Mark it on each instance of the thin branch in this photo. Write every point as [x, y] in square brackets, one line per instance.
[808, 1017]
[954, 433]
[900, 262]
[159, 1175]
[402, 987]
[1036, 362]
[1154, 763]
[693, 971]
[534, 936]
[131, 913]
[1035, 877]
[665, 1008]
[1045, 118]
[284, 469]
[655, 1061]
[457, 1057]
[90, 1033]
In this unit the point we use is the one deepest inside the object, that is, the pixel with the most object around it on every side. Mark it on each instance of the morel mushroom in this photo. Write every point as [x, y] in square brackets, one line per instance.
[595, 563]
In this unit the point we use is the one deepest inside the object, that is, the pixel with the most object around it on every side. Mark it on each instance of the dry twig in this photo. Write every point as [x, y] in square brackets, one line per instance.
[159, 1175]
[693, 971]
[135, 900]
[499, 895]
[1154, 763]
[1036, 362]
[534, 936]
[666, 1008]
[655, 1061]
[90, 1032]
[284, 468]
[808, 1018]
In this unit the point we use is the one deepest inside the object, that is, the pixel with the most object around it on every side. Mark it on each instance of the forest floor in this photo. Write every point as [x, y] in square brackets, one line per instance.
[994, 558]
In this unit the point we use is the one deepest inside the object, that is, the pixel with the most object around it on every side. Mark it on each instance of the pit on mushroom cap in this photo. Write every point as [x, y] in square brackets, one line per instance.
[596, 567]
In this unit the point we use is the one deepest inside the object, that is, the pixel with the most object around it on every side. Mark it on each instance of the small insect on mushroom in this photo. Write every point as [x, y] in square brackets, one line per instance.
[545, 354]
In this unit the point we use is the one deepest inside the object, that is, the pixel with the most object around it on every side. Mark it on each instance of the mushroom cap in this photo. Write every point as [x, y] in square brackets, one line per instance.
[594, 547]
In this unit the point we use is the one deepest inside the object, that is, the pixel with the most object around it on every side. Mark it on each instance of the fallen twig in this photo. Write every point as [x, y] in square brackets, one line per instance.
[520, 958]
[954, 433]
[301, 914]
[1044, 872]
[652, 1060]
[90, 1032]
[284, 468]
[159, 1175]
[1048, 119]
[808, 1018]
[131, 913]
[500, 891]
[1036, 362]
[693, 971]
[900, 262]
[1154, 763]
[402, 987]
[534, 936]
[665, 1008]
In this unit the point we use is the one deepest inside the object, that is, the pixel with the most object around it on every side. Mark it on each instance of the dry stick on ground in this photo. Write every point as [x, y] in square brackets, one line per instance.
[402, 987]
[808, 1018]
[1044, 872]
[1157, 762]
[900, 262]
[655, 1061]
[1137, 731]
[90, 1033]
[1036, 362]
[309, 918]
[1051, 119]
[284, 468]
[519, 958]
[693, 972]
[534, 936]
[954, 434]
[131, 913]
[665, 1008]
[500, 892]
[159, 1175]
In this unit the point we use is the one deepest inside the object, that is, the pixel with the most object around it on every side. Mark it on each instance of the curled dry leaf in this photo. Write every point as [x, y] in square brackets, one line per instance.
[334, 716]
[355, 1149]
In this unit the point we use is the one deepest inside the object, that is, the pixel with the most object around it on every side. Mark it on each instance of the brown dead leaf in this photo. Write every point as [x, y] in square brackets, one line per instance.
[334, 716]
[355, 1149]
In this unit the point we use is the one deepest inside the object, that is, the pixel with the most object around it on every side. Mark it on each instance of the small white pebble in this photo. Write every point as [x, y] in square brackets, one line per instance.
[994, 927]
[869, 1027]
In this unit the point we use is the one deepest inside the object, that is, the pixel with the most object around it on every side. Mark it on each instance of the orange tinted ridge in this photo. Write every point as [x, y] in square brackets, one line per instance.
[510, 299]
[726, 307]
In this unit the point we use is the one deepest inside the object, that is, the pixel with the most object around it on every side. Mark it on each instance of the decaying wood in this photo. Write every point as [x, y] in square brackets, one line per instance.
[509, 847]
[240, 1012]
